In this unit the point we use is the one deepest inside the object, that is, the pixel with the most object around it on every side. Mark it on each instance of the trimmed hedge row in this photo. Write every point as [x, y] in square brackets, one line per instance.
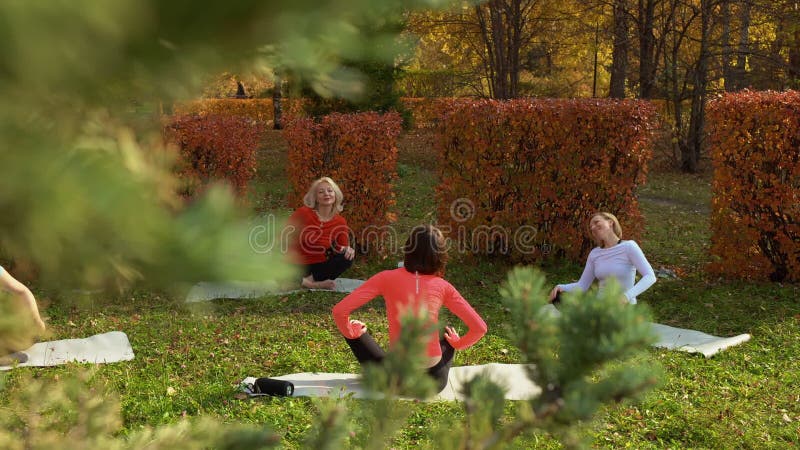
[359, 151]
[425, 112]
[214, 147]
[428, 112]
[259, 110]
[755, 218]
[521, 178]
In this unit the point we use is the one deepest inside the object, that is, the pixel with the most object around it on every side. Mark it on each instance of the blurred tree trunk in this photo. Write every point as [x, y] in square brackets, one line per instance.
[277, 99]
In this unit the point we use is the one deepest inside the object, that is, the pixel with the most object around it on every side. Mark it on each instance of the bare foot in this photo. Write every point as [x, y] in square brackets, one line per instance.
[309, 283]
[327, 284]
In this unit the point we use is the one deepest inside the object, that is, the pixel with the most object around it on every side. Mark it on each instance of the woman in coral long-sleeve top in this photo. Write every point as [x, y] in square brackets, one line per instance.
[418, 285]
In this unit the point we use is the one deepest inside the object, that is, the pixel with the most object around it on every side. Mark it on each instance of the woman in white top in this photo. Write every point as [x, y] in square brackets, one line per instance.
[612, 258]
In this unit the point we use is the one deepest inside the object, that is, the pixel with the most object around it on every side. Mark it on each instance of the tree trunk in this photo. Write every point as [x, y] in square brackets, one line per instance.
[489, 60]
[647, 40]
[727, 69]
[514, 46]
[694, 141]
[277, 106]
[794, 61]
[501, 30]
[619, 53]
[740, 70]
[498, 41]
[677, 102]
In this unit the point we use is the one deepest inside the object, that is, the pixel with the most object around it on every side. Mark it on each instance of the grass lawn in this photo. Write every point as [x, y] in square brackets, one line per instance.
[188, 360]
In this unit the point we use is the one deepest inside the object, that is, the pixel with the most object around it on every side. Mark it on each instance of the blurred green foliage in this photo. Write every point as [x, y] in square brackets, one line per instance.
[86, 192]
[78, 412]
[576, 350]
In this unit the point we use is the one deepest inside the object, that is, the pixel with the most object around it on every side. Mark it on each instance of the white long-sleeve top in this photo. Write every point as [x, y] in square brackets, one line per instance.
[620, 262]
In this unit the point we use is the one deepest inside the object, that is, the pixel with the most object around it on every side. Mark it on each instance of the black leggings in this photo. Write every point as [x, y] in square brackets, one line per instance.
[367, 350]
[329, 269]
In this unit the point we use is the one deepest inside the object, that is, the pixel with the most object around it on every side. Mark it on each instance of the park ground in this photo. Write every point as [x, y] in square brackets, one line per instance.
[189, 360]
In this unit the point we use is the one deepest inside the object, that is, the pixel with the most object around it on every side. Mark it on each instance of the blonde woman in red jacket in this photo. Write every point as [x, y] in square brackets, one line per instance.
[320, 239]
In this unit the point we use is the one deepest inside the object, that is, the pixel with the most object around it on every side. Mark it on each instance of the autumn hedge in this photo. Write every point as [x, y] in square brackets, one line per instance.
[754, 142]
[359, 151]
[521, 178]
[425, 112]
[428, 112]
[214, 148]
[259, 110]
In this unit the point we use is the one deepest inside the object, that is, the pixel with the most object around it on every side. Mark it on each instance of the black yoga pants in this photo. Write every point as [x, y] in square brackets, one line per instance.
[330, 269]
[366, 350]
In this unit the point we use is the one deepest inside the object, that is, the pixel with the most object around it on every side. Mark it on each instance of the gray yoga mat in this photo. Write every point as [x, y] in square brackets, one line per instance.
[202, 292]
[693, 341]
[512, 377]
[685, 340]
[98, 349]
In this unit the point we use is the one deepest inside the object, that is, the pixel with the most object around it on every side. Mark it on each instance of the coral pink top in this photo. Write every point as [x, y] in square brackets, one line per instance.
[314, 236]
[402, 290]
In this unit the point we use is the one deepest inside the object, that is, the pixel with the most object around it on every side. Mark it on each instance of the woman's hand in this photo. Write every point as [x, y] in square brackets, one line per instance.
[357, 328]
[451, 336]
[556, 290]
[349, 253]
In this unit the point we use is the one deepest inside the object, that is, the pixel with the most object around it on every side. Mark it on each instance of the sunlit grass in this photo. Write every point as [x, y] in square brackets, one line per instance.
[189, 359]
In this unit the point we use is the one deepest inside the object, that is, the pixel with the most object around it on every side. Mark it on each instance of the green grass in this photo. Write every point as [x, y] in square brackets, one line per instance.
[188, 360]
[676, 210]
[269, 190]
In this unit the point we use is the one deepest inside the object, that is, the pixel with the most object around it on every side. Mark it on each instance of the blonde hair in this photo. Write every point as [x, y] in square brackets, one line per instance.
[310, 199]
[615, 226]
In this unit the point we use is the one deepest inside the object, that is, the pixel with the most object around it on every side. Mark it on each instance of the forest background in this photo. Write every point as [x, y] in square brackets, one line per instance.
[676, 53]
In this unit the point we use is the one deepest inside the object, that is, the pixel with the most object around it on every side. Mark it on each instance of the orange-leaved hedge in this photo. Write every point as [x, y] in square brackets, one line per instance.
[214, 147]
[754, 140]
[521, 178]
[428, 112]
[259, 110]
[359, 152]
